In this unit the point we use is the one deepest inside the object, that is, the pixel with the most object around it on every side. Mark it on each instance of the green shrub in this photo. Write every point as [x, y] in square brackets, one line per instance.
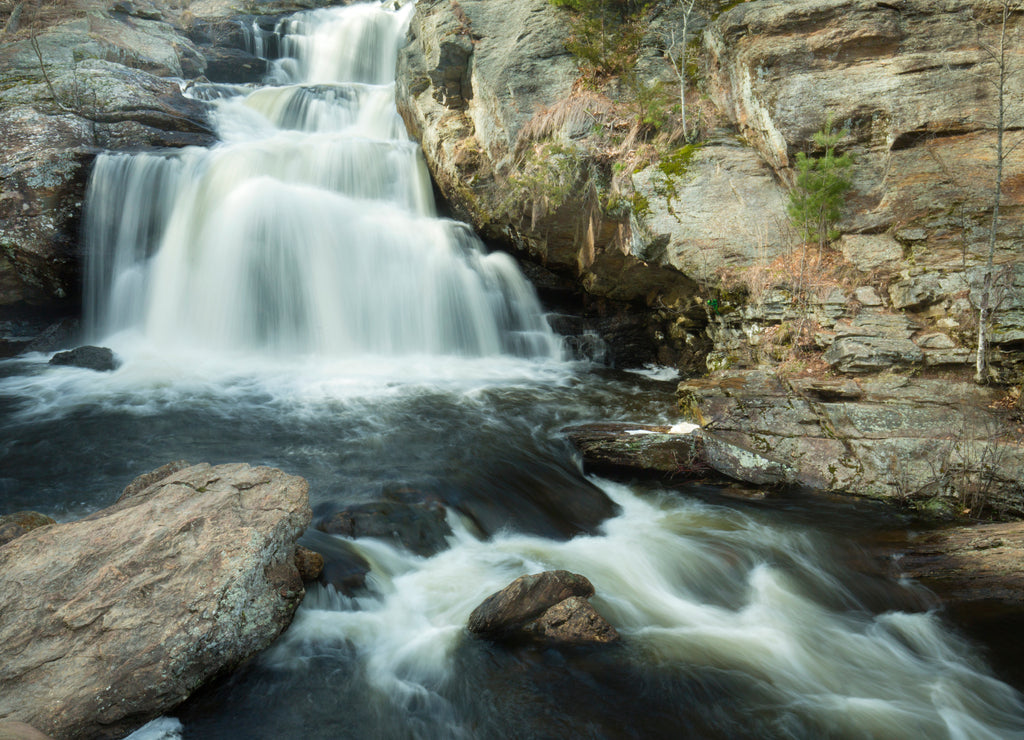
[816, 200]
[605, 34]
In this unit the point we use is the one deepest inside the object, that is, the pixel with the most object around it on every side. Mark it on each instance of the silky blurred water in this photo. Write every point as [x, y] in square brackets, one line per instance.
[289, 298]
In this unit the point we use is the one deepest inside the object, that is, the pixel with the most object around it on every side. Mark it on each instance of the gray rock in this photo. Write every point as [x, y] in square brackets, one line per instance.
[100, 359]
[906, 439]
[135, 606]
[726, 210]
[934, 340]
[867, 296]
[862, 354]
[870, 252]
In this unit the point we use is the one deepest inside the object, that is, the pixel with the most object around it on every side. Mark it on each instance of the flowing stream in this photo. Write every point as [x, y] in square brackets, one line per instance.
[289, 297]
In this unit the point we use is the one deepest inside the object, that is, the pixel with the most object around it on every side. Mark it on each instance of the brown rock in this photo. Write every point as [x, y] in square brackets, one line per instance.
[309, 564]
[134, 607]
[16, 524]
[525, 599]
[573, 621]
[20, 731]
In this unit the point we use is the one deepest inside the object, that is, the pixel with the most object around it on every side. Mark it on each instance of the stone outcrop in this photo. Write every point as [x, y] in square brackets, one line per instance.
[679, 453]
[77, 77]
[550, 606]
[115, 619]
[939, 443]
[489, 91]
[910, 83]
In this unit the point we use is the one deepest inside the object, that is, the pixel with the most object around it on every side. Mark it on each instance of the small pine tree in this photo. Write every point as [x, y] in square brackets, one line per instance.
[816, 201]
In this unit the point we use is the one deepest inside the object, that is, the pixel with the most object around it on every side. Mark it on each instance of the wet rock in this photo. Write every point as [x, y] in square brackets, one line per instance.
[979, 563]
[572, 621]
[679, 452]
[344, 568]
[530, 491]
[57, 335]
[419, 526]
[233, 65]
[912, 440]
[310, 564]
[550, 605]
[15, 525]
[135, 606]
[100, 359]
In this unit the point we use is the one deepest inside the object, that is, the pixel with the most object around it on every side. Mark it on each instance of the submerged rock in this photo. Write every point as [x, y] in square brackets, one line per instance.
[418, 525]
[550, 606]
[115, 619]
[100, 359]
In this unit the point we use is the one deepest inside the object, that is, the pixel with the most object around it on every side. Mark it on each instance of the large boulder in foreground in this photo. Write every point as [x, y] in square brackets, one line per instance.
[550, 606]
[113, 620]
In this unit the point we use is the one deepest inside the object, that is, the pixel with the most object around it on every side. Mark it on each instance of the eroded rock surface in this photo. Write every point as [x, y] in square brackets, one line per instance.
[115, 619]
[907, 439]
[675, 453]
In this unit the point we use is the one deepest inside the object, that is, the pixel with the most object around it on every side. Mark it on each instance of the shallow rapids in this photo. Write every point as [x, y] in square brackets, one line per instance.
[289, 298]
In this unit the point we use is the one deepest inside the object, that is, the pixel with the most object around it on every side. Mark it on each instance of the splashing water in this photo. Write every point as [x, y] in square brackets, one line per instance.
[309, 231]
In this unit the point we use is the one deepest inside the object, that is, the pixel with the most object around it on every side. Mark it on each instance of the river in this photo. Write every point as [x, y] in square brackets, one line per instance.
[290, 298]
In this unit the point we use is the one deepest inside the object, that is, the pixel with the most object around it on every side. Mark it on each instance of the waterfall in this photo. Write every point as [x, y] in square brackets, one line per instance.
[310, 229]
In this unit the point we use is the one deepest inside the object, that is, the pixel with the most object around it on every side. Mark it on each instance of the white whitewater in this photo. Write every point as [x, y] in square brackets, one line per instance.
[303, 253]
[310, 231]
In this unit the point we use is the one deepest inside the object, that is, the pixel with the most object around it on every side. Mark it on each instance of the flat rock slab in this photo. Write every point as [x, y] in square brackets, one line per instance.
[916, 440]
[684, 451]
[968, 564]
[113, 620]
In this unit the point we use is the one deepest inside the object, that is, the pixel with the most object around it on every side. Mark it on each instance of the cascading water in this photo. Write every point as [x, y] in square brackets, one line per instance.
[361, 342]
[310, 230]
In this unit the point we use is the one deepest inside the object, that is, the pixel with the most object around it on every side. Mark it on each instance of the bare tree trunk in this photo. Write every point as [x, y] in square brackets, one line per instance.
[981, 358]
[679, 63]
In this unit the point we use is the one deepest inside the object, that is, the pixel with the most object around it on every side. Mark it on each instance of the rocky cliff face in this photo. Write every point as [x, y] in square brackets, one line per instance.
[907, 81]
[493, 96]
[699, 235]
[911, 83]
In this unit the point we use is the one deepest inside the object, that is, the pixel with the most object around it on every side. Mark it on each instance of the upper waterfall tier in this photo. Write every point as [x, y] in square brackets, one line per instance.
[310, 230]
